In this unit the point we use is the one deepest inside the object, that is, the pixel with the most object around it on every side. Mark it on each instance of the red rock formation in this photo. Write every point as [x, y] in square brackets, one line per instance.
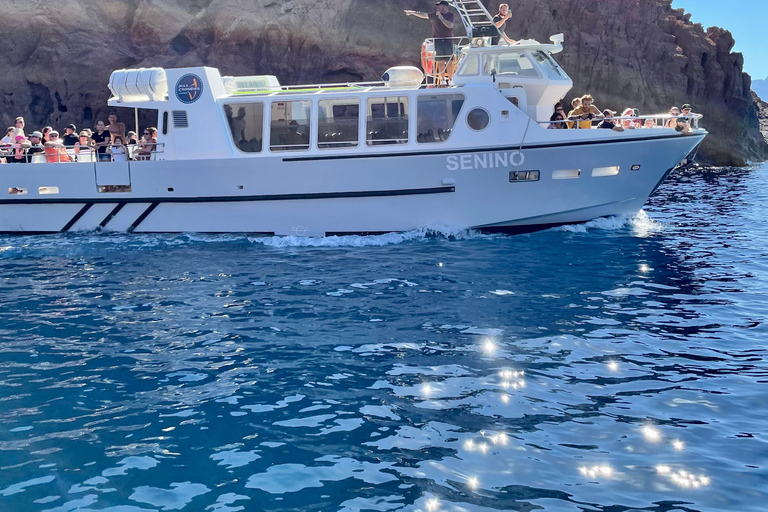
[639, 53]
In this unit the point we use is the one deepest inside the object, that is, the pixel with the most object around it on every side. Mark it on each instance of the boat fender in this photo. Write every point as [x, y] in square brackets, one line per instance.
[403, 76]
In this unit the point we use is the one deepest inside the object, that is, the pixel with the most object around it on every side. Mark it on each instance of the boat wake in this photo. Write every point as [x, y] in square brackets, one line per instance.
[417, 235]
[641, 225]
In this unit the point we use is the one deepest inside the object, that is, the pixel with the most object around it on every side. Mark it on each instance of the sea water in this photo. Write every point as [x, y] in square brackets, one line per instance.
[617, 365]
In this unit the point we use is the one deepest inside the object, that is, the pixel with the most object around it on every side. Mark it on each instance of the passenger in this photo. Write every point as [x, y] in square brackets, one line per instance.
[675, 113]
[293, 139]
[35, 145]
[683, 126]
[101, 140]
[55, 152]
[114, 128]
[18, 151]
[238, 126]
[628, 123]
[585, 113]
[118, 150]
[84, 147]
[8, 139]
[609, 123]
[46, 134]
[500, 20]
[575, 103]
[638, 122]
[18, 128]
[70, 138]
[557, 120]
[649, 123]
[131, 138]
[442, 33]
[148, 144]
[686, 111]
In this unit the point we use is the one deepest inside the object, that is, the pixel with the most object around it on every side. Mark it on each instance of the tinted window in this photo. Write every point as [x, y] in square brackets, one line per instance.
[289, 128]
[246, 124]
[338, 122]
[387, 121]
[436, 116]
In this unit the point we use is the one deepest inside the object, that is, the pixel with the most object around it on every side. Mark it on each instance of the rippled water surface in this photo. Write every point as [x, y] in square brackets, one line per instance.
[615, 366]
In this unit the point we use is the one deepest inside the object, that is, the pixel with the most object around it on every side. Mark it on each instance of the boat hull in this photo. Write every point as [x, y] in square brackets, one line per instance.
[290, 194]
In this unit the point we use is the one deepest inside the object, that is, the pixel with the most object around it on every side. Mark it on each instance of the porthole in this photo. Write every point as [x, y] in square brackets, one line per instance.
[478, 119]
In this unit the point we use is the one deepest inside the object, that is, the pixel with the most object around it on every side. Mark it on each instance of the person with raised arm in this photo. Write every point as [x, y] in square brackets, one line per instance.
[442, 32]
[500, 21]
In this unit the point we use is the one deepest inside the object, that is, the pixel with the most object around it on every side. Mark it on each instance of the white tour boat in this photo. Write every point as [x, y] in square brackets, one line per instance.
[246, 154]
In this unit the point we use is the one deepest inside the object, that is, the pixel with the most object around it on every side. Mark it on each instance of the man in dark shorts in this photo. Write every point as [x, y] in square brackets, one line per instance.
[442, 32]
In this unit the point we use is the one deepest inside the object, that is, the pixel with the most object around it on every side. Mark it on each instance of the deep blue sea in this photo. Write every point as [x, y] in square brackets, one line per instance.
[620, 365]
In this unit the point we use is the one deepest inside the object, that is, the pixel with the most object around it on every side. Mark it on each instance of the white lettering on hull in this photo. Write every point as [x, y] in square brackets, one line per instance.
[495, 160]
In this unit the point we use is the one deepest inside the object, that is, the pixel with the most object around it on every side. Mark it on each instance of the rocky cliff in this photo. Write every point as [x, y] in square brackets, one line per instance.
[639, 53]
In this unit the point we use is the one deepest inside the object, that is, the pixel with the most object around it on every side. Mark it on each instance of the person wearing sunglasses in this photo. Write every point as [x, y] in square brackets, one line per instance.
[148, 144]
[557, 120]
[55, 152]
[18, 128]
[674, 112]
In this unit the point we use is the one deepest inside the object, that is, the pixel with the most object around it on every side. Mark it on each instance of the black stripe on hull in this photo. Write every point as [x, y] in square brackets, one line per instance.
[234, 199]
[111, 215]
[143, 216]
[77, 217]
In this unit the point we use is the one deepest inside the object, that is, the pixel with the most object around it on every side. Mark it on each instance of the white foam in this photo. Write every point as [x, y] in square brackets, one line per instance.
[418, 235]
[641, 224]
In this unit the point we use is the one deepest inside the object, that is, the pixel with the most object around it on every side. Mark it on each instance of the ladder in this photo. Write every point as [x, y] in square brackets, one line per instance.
[477, 21]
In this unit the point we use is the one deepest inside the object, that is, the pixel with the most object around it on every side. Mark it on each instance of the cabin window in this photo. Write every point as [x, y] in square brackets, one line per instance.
[246, 124]
[165, 123]
[289, 128]
[469, 66]
[549, 65]
[338, 123]
[387, 121]
[436, 115]
[478, 119]
[509, 64]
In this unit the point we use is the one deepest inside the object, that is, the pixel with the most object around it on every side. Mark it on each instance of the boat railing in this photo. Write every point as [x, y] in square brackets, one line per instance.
[309, 88]
[16, 153]
[659, 121]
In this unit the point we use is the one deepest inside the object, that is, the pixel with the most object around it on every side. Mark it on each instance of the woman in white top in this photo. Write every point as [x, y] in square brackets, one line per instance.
[118, 150]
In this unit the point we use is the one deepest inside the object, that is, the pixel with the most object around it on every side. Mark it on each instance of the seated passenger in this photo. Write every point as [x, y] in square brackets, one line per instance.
[84, 144]
[18, 151]
[557, 120]
[55, 152]
[292, 139]
[46, 134]
[649, 123]
[610, 123]
[35, 145]
[8, 139]
[627, 122]
[118, 150]
[585, 113]
[148, 144]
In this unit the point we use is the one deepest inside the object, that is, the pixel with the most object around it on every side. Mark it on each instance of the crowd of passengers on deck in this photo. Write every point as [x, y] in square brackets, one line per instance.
[584, 114]
[105, 143]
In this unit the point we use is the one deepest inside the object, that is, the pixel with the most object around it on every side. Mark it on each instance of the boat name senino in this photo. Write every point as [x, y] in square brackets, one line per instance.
[484, 160]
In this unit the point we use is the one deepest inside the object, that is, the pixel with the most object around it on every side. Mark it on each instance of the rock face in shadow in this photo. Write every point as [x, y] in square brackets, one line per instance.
[638, 53]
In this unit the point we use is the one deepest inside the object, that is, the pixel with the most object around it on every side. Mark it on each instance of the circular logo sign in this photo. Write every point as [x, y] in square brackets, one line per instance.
[189, 88]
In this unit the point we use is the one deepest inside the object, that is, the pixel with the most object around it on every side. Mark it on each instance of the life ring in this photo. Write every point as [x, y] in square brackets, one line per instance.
[427, 58]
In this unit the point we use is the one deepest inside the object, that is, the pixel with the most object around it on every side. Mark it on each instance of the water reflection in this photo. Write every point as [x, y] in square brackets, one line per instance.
[584, 370]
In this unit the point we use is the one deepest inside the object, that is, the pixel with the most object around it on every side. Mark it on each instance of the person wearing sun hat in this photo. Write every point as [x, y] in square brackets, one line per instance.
[686, 111]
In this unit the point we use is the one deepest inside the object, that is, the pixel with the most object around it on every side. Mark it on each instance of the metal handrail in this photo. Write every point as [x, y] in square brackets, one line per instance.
[76, 151]
[694, 118]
